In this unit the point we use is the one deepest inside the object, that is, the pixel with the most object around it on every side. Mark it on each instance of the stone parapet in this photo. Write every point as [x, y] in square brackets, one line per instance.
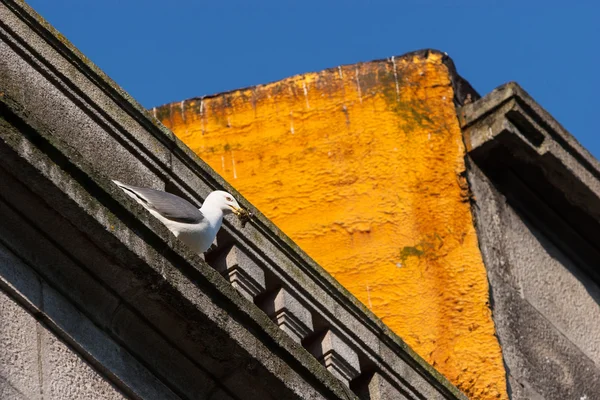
[153, 319]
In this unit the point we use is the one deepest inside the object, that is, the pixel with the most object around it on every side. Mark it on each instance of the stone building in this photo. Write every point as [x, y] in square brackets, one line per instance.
[410, 240]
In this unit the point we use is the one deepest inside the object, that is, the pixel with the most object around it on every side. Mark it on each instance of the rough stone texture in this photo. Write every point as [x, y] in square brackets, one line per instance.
[113, 286]
[10, 393]
[35, 364]
[537, 197]
[67, 376]
[553, 284]
[19, 363]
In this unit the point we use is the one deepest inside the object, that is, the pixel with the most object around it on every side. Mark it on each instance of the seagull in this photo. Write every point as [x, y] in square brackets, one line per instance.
[197, 228]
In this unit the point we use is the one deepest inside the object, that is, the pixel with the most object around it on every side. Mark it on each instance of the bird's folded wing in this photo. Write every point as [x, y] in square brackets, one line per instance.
[166, 204]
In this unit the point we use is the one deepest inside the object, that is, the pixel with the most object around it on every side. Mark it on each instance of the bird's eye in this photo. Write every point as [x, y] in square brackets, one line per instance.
[228, 198]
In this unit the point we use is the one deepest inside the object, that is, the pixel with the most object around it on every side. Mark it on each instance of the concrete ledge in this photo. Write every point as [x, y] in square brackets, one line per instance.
[65, 132]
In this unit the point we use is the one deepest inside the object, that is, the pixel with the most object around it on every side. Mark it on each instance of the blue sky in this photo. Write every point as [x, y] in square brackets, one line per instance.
[165, 51]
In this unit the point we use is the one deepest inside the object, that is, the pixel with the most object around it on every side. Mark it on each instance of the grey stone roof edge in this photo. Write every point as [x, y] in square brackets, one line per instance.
[471, 113]
[78, 59]
[184, 155]
[541, 169]
[142, 115]
[528, 208]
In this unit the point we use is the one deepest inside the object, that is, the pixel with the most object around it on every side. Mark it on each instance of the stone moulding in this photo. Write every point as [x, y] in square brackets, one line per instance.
[66, 131]
[540, 168]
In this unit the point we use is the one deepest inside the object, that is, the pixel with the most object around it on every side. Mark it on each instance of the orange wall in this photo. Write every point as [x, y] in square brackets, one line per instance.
[362, 166]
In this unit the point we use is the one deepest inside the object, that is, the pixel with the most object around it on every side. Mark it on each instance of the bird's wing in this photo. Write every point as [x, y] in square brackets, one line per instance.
[166, 204]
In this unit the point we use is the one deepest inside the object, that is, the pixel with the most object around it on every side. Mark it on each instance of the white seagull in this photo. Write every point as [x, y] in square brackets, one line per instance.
[197, 228]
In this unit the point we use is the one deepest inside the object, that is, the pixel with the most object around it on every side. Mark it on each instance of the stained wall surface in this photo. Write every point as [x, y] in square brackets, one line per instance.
[547, 310]
[363, 167]
[35, 364]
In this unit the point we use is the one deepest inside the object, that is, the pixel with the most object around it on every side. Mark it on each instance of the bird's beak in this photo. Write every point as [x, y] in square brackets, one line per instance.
[243, 215]
[237, 211]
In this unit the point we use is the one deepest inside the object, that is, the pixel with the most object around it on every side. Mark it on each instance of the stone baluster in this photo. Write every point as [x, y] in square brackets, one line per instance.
[289, 314]
[336, 355]
[241, 271]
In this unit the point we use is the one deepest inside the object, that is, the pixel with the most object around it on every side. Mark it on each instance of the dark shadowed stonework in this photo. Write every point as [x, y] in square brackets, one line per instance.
[537, 208]
[98, 299]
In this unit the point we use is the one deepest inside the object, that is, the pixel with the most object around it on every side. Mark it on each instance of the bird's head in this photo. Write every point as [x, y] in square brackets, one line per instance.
[225, 202]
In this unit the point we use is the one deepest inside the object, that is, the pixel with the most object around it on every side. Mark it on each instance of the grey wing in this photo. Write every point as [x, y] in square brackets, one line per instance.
[166, 204]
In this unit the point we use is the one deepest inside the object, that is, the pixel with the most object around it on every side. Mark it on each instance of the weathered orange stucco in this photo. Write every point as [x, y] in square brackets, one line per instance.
[363, 167]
